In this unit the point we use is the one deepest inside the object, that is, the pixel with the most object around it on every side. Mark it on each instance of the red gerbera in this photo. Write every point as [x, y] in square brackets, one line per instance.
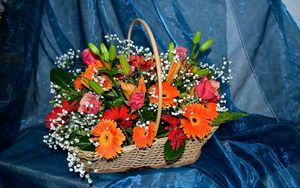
[176, 135]
[122, 116]
[59, 115]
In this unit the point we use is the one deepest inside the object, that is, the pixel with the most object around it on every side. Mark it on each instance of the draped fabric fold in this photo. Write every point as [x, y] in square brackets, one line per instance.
[259, 37]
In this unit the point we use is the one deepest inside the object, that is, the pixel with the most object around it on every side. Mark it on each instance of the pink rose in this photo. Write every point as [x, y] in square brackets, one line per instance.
[136, 100]
[208, 89]
[89, 104]
[88, 57]
[181, 52]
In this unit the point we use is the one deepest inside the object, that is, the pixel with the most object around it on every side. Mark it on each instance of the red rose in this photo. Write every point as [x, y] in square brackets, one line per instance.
[136, 100]
[88, 57]
[208, 89]
[89, 104]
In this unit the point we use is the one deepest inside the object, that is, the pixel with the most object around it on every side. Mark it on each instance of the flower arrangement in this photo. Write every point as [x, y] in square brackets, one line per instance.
[106, 98]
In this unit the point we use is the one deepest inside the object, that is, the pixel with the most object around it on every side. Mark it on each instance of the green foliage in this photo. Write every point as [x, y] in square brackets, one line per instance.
[197, 37]
[115, 71]
[124, 64]
[206, 45]
[146, 113]
[118, 102]
[178, 83]
[94, 49]
[104, 53]
[96, 87]
[171, 154]
[112, 52]
[85, 144]
[201, 72]
[107, 104]
[228, 116]
[62, 79]
[171, 50]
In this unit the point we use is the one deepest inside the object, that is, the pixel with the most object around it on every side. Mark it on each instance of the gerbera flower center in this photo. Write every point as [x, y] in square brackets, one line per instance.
[164, 95]
[194, 120]
[119, 120]
[106, 138]
[145, 133]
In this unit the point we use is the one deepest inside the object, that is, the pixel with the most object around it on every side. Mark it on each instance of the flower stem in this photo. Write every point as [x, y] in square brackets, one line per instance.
[128, 138]
[140, 114]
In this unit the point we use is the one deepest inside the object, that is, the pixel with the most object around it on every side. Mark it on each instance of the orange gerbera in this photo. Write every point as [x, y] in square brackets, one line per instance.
[199, 118]
[78, 84]
[168, 95]
[110, 139]
[144, 136]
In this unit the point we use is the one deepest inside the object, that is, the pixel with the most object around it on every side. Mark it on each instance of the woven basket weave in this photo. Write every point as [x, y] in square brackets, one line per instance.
[153, 157]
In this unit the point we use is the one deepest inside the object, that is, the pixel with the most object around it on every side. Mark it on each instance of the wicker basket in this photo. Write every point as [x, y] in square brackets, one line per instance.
[135, 158]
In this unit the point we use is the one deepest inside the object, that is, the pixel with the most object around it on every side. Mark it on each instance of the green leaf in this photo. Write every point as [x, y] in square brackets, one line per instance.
[107, 104]
[118, 102]
[115, 71]
[112, 52]
[178, 83]
[171, 154]
[227, 116]
[96, 87]
[85, 144]
[161, 135]
[202, 72]
[197, 37]
[104, 52]
[103, 70]
[183, 94]
[62, 79]
[124, 64]
[195, 69]
[146, 113]
[110, 94]
[171, 52]
[206, 45]
[129, 130]
[94, 49]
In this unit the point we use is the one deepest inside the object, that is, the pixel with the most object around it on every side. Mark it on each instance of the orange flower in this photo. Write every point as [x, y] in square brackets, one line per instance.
[173, 71]
[198, 119]
[211, 107]
[128, 89]
[78, 84]
[110, 139]
[106, 85]
[168, 95]
[144, 136]
[142, 86]
[90, 73]
[90, 70]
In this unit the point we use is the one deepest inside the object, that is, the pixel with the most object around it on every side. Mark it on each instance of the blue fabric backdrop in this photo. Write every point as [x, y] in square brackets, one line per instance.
[259, 36]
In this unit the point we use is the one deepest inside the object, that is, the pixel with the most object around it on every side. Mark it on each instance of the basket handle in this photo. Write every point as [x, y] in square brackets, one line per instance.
[157, 61]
